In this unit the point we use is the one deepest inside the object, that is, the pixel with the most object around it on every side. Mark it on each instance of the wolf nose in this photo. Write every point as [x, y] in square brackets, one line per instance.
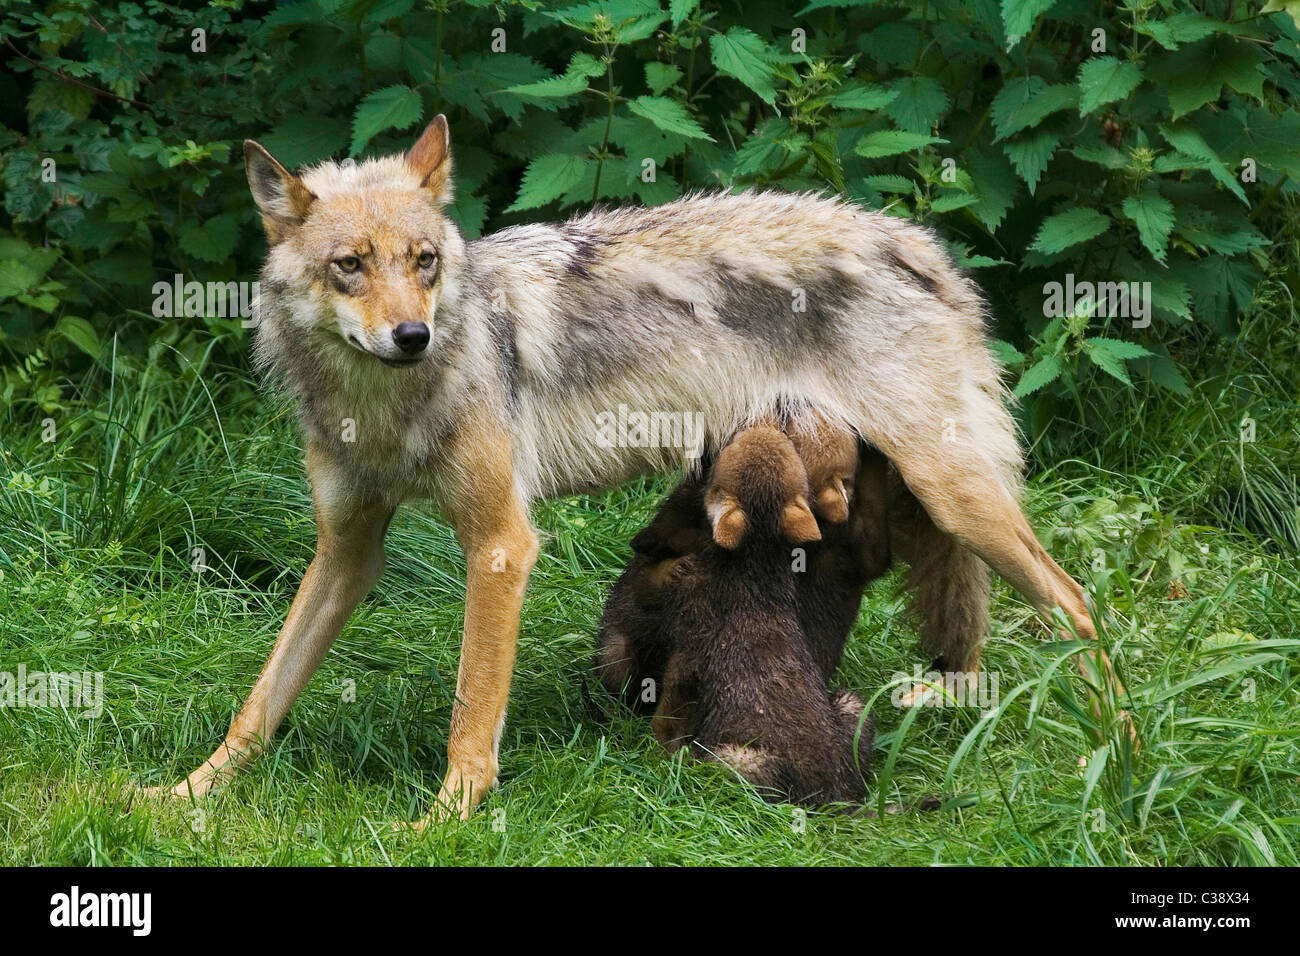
[411, 337]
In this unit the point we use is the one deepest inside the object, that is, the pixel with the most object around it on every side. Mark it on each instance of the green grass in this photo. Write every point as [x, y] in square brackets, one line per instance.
[97, 533]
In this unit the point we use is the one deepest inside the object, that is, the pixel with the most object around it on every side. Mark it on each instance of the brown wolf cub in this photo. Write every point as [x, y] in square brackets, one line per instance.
[741, 684]
[848, 485]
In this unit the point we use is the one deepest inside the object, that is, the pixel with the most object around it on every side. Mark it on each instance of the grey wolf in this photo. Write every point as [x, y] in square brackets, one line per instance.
[742, 685]
[472, 373]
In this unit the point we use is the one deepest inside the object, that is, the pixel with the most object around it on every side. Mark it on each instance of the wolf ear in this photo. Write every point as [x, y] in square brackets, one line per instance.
[430, 159]
[798, 524]
[728, 520]
[279, 194]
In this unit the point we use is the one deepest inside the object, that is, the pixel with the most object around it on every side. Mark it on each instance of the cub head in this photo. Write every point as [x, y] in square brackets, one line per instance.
[758, 491]
[830, 454]
[360, 253]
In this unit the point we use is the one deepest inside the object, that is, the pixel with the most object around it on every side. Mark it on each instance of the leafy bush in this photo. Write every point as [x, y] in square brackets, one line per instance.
[1137, 142]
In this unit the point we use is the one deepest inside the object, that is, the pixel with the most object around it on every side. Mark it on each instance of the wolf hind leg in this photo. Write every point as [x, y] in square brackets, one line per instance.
[948, 586]
[965, 497]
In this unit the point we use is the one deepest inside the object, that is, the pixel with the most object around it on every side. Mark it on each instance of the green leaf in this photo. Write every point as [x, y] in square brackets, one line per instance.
[1292, 8]
[1027, 101]
[741, 53]
[386, 10]
[639, 139]
[1102, 154]
[891, 142]
[1165, 373]
[556, 87]
[1206, 231]
[996, 185]
[303, 139]
[1187, 140]
[1006, 353]
[890, 183]
[920, 103]
[1107, 361]
[953, 201]
[27, 198]
[1019, 17]
[868, 97]
[211, 241]
[468, 212]
[681, 9]
[668, 115]
[80, 333]
[1180, 28]
[1068, 229]
[393, 107]
[547, 178]
[1154, 216]
[1046, 371]
[1219, 60]
[1105, 79]
[16, 278]
[1030, 153]
[1119, 348]
[660, 76]
[1171, 296]
[571, 82]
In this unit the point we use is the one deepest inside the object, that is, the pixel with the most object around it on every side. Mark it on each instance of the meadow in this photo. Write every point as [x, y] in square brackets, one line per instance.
[100, 573]
[155, 516]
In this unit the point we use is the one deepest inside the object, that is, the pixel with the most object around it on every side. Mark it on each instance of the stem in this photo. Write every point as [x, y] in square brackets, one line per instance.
[1268, 198]
[690, 95]
[609, 121]
[978, 127]
[920, 41]
[437, 51]
[1033, 36]
[365, 70]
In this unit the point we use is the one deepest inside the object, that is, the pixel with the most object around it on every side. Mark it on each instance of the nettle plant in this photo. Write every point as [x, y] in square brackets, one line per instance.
[1073, 143]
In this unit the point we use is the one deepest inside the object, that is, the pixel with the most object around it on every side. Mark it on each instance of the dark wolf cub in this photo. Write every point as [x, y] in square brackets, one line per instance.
[849, 482]
[741, 683]
[848, 493]
[632, 646]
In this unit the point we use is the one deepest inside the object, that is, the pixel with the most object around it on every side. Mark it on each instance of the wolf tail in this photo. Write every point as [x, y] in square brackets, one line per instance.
[948, 587]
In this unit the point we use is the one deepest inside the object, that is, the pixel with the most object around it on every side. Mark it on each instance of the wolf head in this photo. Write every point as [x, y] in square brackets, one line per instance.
[758, 492]
[361, 254]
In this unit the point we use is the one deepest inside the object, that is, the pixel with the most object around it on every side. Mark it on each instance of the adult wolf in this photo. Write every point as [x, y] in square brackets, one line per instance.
[474, 374]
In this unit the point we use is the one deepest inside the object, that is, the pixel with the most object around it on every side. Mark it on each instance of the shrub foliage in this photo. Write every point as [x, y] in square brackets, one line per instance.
[1145, 141]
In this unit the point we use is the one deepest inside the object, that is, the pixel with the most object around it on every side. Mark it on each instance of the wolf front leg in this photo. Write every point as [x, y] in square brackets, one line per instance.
[349, 558]
[500, 549]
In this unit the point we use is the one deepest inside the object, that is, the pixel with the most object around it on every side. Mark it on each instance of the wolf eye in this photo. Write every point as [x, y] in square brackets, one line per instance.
[348, 263]
[425, 259]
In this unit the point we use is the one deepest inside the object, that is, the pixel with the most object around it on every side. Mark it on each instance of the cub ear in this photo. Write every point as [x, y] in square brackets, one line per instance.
[279, 194]
[798, 524]
[430, 159]
[833, 501]
[728, 520]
